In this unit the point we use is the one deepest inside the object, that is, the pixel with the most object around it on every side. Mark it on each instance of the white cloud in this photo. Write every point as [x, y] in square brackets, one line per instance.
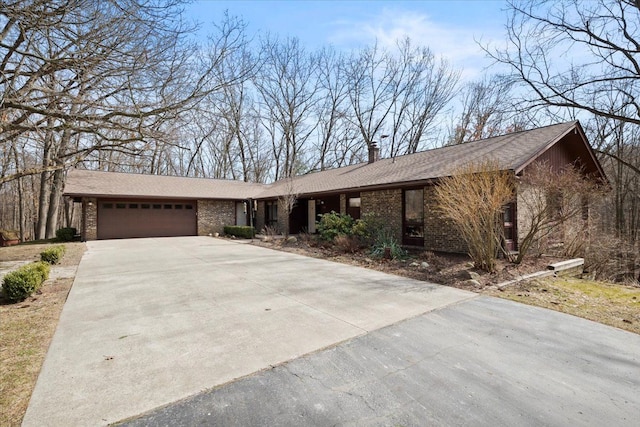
[456, 43]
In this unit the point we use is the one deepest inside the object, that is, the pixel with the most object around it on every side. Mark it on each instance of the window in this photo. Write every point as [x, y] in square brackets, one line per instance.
[168, 206]
[133, 206]
[585, 208]
[121, 205]
[157, 206]
[178, 207]
[107, 205]
[413, 223]
[271, 214]
[354, 202]
[188, 206]
[555, 202]
[145, 206]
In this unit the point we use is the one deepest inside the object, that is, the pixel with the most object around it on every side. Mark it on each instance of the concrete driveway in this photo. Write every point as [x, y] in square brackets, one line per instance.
[483, 362]
[152, 321]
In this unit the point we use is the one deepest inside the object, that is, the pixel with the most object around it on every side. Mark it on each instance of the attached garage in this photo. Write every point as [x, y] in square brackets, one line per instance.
[119, 219]
[125, 205]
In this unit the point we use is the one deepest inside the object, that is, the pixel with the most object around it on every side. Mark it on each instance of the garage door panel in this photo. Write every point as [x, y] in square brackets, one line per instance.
[164, 218]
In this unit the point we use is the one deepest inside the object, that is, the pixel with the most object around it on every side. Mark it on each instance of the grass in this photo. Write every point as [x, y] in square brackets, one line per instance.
[611, 304]
[26, 331]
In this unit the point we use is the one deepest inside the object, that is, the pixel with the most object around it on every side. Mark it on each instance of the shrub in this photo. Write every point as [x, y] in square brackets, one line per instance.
[386, 241]
[333, 224]
[52, 255]
[243, 231]
[473, 199]
[24, 281]
[9, 235]
[66, 234]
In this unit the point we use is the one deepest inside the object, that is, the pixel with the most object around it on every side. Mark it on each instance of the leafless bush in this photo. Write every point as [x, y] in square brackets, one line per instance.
[553, 205]
[474, 198]
[606, 256]
[269, 232]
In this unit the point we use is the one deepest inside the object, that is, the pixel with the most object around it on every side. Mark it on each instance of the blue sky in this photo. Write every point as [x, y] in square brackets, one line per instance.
[448, 28]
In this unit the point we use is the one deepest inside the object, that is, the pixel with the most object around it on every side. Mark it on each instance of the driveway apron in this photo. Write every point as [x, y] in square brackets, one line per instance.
[152, 321]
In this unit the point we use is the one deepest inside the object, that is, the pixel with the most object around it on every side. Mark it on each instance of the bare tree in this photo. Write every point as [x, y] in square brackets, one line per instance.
[399, 93]
[286, 202]
[486, 111]
[426, 86]
[371, 74]
[288, 88]
[337, 136]
[81, 77]
[601, 79]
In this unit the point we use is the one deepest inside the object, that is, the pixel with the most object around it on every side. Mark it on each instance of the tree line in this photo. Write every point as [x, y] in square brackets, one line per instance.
[123, 85]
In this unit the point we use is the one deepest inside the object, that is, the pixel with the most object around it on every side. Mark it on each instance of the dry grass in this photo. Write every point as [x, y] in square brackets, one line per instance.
[26, 331]
[612, 304]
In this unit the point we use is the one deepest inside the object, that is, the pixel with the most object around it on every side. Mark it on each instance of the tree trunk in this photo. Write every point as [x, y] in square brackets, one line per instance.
[43, 206]
[54, 203]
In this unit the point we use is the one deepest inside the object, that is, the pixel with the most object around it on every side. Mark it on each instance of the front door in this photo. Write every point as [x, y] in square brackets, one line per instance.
[241, 213]
[413, 217]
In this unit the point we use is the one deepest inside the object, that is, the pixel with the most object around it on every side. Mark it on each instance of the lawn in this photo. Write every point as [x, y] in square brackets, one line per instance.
[612, 304]
[26, 331]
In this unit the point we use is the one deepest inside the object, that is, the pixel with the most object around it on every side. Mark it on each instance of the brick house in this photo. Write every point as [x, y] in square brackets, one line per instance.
[399, 189]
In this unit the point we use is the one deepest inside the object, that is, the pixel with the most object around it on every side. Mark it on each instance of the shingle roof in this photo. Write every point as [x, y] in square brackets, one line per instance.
[113, 184]
[511, 152]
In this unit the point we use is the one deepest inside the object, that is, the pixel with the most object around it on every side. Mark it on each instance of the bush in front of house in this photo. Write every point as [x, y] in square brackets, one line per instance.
[333, 224]
[66, 234]
[386, 245]
[21, 283]
[243, 231]
[52, 255]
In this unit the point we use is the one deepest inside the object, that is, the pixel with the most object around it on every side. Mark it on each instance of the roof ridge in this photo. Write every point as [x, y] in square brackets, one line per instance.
[465, 144]
[138, 174]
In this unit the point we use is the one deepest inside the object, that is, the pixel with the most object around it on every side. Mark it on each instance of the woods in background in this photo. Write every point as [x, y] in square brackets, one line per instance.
[123, 85]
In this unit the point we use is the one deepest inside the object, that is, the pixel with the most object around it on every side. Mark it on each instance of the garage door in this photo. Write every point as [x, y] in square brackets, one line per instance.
[162, 218]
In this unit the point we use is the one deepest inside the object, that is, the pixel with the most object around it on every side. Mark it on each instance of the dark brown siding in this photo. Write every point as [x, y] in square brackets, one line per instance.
[119, 219]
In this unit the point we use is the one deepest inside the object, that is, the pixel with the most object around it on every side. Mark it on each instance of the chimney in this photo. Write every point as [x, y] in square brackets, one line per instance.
[374, 152]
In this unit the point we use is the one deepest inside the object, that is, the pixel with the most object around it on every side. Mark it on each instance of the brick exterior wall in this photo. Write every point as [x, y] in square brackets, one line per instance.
[90, 219]
[386, 205]
[440, 234]
[213, 215]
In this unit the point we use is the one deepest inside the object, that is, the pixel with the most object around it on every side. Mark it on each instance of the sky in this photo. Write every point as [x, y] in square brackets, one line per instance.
[451, 29]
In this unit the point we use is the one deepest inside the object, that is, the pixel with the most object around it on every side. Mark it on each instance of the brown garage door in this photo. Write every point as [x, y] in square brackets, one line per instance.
[160, 218]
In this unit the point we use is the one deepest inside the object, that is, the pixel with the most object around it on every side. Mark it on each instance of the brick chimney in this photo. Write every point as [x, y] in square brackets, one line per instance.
[374, 152]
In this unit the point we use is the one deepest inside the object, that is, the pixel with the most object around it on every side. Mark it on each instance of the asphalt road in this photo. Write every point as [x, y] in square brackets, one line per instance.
[481, 362]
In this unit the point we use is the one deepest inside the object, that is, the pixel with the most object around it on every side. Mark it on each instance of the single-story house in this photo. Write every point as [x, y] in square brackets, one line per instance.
[400, 190]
